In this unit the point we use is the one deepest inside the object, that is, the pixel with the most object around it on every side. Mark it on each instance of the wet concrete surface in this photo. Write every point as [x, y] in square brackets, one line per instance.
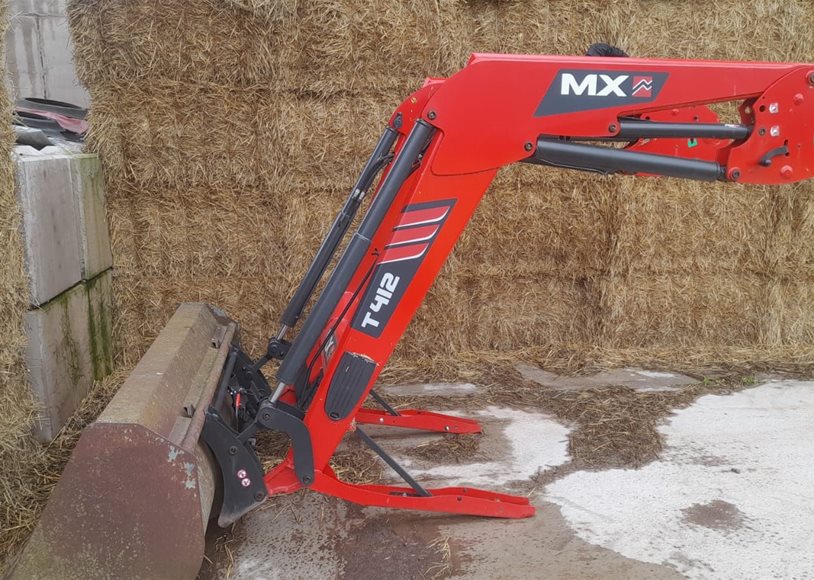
[730, 496]
[306, 535]
[310, 536]
[612, 524]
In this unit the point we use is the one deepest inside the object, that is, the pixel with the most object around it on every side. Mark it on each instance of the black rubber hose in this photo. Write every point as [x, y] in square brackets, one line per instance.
[602, 49]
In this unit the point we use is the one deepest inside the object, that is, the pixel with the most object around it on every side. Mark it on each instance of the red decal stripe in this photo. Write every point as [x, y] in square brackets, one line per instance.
[400, 253]
[412, 235]
[423, 216]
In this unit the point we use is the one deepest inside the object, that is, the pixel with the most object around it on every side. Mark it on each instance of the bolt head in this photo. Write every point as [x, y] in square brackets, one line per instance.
[245, 482]
[612, 128]
[774, 108]
[233, 450]
[811, 78]
[787, 171]
[734, 174]
[775, 131]
[241, 473]
[528, 146]
[258, 496]
[798, 99]
[431, 115]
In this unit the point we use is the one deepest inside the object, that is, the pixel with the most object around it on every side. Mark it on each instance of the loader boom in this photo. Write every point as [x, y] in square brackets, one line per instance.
[439, 153]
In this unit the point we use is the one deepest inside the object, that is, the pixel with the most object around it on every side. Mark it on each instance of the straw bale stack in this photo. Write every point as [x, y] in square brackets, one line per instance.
[20, 456]
[231, 130]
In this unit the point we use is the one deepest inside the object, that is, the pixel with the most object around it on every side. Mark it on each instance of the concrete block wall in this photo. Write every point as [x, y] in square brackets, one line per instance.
[89, 196]
[67, 252]
[51, 231]
[39, 52]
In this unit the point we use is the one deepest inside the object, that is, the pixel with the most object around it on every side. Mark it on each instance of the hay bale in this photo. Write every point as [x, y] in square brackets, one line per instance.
[176, 135]
[159, 39]
[666, 226]
[323, 47]
[790, 250]
[230, 131]
[683, 310]
[220, 249]
[543, 221]
[766, 30]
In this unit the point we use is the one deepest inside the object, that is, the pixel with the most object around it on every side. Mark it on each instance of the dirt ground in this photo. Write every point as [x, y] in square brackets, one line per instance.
[552, 430]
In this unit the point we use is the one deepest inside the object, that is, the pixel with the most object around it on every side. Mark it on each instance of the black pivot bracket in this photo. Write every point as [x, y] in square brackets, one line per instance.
[282, 417]
[240, 469]
[277, 349]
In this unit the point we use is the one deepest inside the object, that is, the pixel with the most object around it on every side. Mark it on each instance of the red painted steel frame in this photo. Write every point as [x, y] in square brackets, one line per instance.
[420, 420]
[485, 116]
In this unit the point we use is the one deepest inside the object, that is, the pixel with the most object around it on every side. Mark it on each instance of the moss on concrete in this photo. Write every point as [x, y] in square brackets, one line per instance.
[100, 324]
[71, 347]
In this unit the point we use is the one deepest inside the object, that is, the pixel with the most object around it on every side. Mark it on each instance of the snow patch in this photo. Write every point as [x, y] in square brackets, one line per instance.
[439, 389]
[750, 452]
[653, 374]
[537, 442]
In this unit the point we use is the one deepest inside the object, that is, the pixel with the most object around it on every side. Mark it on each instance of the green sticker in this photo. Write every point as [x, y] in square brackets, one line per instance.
[692, 143]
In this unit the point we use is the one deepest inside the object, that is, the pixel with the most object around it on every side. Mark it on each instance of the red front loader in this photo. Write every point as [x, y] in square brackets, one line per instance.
[438, 154]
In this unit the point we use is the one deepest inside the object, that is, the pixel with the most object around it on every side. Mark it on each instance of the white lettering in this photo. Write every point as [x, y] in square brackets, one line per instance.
[390, 282]
[370, 320]
[384, 293]
[570, 85]
[588, 85]
[378, 302]
[612, 86]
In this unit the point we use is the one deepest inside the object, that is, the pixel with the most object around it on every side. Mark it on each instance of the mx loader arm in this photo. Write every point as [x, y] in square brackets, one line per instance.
[437, 156]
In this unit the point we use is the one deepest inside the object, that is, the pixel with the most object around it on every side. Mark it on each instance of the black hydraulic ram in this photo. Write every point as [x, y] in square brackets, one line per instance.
[610, 160]
[631, 129]
[340, 226]
[353, 255]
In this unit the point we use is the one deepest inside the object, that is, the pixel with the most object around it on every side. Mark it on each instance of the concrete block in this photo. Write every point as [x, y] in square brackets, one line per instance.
[50, 224]
[89, 193]
[60, 77]
[59, 358]
[37, 7]
[39, 52]
[23, 58]
[100, 320]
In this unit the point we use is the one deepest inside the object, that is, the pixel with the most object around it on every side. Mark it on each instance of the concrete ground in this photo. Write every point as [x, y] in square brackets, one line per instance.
[730, 497]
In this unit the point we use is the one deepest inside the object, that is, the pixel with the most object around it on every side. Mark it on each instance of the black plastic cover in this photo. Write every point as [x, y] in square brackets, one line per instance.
[348, 385]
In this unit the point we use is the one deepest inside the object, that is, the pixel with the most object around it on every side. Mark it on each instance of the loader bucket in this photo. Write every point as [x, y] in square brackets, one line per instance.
[135, 498]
